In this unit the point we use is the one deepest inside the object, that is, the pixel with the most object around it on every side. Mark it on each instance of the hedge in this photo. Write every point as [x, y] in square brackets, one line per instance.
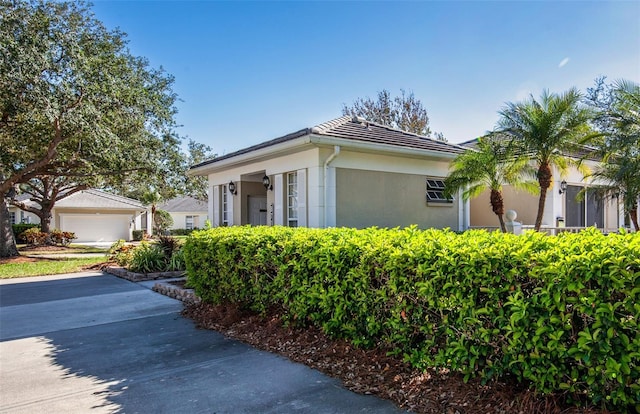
[559, 314]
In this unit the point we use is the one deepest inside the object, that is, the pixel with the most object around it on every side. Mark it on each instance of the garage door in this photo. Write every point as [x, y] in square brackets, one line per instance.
[96, 227]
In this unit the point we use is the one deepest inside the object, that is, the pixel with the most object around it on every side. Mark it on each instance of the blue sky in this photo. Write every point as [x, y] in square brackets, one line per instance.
[247, 71]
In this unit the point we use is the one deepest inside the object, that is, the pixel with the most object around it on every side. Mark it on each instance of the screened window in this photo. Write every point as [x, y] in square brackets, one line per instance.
[583, 210]
[435, 191]
[225, 206]
[189, 220]
[292, 199]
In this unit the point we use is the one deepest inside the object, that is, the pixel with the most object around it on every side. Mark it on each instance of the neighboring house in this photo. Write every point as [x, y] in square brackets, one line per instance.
[97, 216]
[563, 206]
[187, 212]
[345, 172]
[17, 216]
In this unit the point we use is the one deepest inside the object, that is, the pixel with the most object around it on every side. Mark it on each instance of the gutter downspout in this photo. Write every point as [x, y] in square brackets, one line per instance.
[336, 152]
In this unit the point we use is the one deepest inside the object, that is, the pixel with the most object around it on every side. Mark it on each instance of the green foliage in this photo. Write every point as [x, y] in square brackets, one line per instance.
[18, 229]
[162, 221]
[559, 314]
[121, 253]
[137, 235]
[147, 258]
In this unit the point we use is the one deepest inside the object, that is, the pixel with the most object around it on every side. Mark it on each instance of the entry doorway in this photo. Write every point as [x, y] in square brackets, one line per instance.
[257, 206]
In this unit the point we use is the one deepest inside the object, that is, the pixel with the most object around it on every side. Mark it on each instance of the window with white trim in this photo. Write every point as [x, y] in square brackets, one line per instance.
[225, 206]
[189, 220]
[12, 217]
[292, 199]
[435, 191]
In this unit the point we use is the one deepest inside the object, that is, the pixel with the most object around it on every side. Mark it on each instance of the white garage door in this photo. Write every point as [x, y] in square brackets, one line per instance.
[96, 227]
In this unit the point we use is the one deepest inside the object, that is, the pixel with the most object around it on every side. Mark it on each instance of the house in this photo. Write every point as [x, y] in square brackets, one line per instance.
[344, 172]
[96, 216]
[17, 216]
[187, 212]
[565, 206]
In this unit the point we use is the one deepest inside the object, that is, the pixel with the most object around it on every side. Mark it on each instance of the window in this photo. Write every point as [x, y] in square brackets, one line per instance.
[292, 199]
[189, 220]
[435, 191]
[12, 217]
[225, 206]
[583, 210]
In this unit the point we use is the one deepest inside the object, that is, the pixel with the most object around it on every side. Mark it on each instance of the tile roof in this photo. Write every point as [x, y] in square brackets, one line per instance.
[357, 130]
[99, 199]
[183, 205]
[578, 151]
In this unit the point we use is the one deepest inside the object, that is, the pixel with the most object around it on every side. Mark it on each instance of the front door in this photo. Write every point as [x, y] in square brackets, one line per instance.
[257, 210]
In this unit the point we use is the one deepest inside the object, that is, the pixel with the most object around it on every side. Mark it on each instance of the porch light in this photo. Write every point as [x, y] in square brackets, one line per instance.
[563, 187]
[266, 181]
[232, 188]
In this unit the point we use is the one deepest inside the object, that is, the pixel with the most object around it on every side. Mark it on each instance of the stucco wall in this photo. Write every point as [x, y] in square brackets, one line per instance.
[525, 204]
[180, 219]
[385, 199]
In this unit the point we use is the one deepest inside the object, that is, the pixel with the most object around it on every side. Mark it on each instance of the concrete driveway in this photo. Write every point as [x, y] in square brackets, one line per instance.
[91, 342]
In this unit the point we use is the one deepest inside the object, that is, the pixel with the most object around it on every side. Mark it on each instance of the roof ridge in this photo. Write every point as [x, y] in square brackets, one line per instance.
[114, 197]
[325, 126]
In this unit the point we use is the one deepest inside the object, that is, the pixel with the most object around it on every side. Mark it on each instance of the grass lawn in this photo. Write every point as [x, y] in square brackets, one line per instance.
[24, 267]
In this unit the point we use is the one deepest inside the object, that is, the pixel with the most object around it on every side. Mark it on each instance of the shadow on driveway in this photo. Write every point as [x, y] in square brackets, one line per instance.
[95, 342]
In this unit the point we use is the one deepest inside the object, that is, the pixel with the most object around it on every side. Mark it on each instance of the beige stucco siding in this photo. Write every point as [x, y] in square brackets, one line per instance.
[525, 204]
[385, 199]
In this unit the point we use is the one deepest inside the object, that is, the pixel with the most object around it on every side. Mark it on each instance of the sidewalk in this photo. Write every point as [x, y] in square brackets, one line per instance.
[94, 342]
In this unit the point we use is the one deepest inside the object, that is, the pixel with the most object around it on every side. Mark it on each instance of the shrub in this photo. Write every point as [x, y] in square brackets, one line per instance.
[559, 314]
[34, 237]
[176, 262]
[62, 238]
[147, 258]
[138, 235]
[121, 253]
[18, 229]
[182, 232]
[162, 221]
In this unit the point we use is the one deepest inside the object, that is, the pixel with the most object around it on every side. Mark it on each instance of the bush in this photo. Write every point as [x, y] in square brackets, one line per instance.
[181, 232]
[121, 253]
[62, 238]
[559, 314]
[138, 235]
[162, 221]
[34, 237]
[18, 229]
[147, 258]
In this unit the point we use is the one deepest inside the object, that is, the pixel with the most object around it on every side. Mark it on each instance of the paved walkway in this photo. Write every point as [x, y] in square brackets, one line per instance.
[91, 342]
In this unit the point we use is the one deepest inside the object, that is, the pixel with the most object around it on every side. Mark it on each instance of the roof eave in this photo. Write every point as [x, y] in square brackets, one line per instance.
[251, 156]
[377, 147]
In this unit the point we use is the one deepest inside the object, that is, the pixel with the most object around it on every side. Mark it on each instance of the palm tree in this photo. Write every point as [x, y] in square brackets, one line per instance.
[548, 129]
[620, 147]
[493, 163]
[152, 197]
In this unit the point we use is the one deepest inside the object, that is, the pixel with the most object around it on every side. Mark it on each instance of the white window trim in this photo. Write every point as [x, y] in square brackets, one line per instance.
[292, 194]
[224, 203]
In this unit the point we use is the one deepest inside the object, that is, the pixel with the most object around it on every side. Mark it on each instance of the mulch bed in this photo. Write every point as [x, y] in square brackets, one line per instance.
[372, 371]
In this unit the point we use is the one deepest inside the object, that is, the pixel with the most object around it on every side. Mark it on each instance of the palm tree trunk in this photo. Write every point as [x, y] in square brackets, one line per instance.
[544, 179]
[633, 214]
[497, 205]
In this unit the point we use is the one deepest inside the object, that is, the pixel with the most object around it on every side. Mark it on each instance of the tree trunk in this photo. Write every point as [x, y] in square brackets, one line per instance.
[497, 205]
[7, 241]
[45, 220]
[544, 179]
[633, 214]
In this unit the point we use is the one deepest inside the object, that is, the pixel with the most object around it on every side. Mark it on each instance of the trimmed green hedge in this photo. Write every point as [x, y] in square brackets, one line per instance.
[558, 313]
